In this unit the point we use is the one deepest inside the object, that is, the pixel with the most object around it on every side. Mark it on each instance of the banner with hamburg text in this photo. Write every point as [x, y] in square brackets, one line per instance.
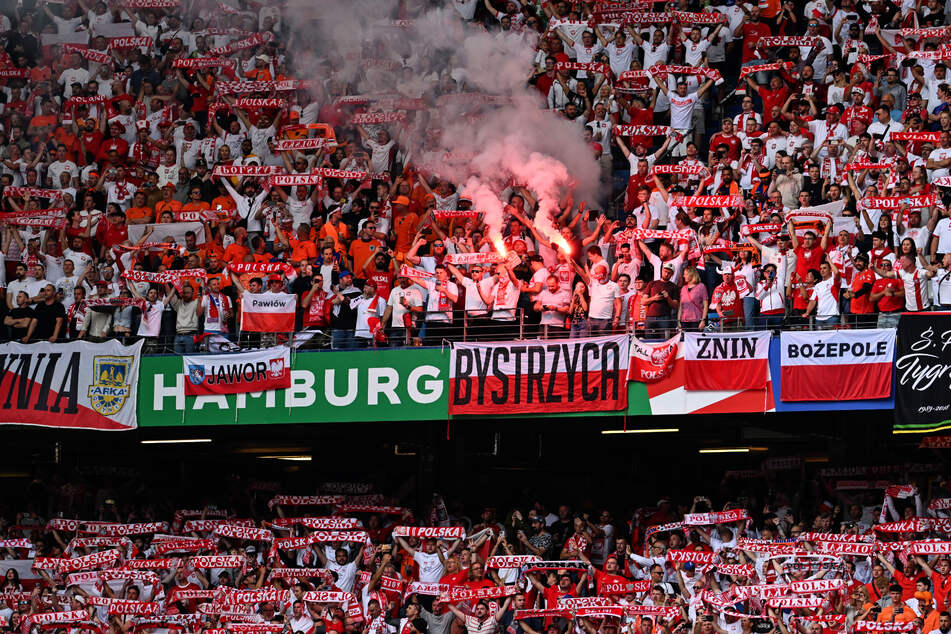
[77, 385]
[571, 375]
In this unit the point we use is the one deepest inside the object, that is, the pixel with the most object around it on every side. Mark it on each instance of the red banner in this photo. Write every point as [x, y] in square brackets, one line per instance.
[555, 376]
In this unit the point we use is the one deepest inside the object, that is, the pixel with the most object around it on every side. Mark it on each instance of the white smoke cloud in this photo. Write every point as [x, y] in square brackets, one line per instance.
[515, 139]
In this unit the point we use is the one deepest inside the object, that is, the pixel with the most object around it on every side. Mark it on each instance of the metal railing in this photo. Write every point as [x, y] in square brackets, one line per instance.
[468, 327]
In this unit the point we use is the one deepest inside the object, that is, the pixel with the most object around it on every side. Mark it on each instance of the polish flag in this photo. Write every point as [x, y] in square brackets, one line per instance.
[726, 361]
[268, 312]
[840, 365]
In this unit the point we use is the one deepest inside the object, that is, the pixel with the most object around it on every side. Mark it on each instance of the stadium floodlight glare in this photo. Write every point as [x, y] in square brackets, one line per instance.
[300, 458]
[733, 449]
[175, 441]
[655, 430]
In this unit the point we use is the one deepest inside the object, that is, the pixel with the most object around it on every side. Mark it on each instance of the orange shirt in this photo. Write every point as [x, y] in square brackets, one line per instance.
[211, 247]
[224, 277]
[302, 249]
[235, 252]
[405, 228]
[199, 206]
[263, 258]
[329, 231]
[258, 74]
[138, 213]
[172, 206]
[225, 202]
[360, 251]
[907, 614]
[43, 121]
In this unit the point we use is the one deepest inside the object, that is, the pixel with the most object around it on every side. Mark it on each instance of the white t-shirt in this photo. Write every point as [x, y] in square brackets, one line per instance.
[380, 154]
[151, 319]
[66, 284]
[438, 304]
[413, 298]
[346, 574]
[655, 53]
[681, 110]
[916, 288]
[505, 298]
[939, 154]
[826, 295]
[70, 76]
[431, 568]
[620, 56]
[602, 299]
[560, 298]
[943, 232]
[693, 51]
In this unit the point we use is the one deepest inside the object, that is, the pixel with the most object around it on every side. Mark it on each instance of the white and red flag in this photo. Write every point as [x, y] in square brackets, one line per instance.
[839, 365]
[268, 312]
[652, 361]
[254, 371]
[726, 361]
[569, 375]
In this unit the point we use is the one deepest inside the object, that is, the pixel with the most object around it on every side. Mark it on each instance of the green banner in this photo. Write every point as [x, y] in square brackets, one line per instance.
[326, 387]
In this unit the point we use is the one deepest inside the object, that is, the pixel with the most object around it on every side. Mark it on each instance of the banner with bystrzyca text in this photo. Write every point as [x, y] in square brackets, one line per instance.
[77, 385]
[923, 373]
[570, 375]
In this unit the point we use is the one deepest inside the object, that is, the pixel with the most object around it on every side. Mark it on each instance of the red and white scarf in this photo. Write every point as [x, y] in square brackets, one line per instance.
[129, 42]
[248, 102]
[240, 45]
[243, 87]
[378, 117]
[201, 62]
[733, 200]
[288, 145]
[304, 500]
[164, 277]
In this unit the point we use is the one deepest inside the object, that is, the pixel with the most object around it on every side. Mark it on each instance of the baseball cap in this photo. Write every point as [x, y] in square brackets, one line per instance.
[401, 200]
[345, 273]
[670, 265]
[274, 277]
[858, 90]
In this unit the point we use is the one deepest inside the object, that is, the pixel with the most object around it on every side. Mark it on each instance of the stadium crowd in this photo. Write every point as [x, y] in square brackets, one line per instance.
[763, 165]
[833, 558]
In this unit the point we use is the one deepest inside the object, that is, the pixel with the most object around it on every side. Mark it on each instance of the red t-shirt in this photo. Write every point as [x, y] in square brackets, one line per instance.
[810, 259]
[888, 304]
[732, 141]
[772, 98]
[862, 305]
[751, 34]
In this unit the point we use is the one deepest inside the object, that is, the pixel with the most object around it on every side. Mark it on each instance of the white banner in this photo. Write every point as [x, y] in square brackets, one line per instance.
[237, 373]
[77, 385]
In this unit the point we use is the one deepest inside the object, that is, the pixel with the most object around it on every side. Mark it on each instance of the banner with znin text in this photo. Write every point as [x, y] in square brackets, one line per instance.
[78, 385]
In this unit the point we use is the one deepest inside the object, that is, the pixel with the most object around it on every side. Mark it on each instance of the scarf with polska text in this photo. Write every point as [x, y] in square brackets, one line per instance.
[408, 271]
[117, 302]
[217, 561]
[295, 180]
[92, 55]
[244, 87]
[701, 17]
[859, 165]
[318, 523]
[896, 202]
[151, 246]
[42, 221]
[472, 258]
[233, 47]
[119, 530]
[240, 268]
[301, 573]
[758, 68]
[693, 169]
[594, 67]
[164, 277]
[210, 525]
[327, 172]
[696, 71]
[763, 227]
[437, 532]
[34, 192]
[730, 200]
[248, 102]
[778, 41]
[680, 235]
[201, 62]
[293, 145]
[120, 43]
[245, 533]
[446, 214]
[455, 594]
[643, 130]
[378, 117]
[907, 135]
[185, 545]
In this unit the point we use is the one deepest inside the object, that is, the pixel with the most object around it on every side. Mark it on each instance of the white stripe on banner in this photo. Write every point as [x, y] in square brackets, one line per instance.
[838, 347]
[253, 371]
